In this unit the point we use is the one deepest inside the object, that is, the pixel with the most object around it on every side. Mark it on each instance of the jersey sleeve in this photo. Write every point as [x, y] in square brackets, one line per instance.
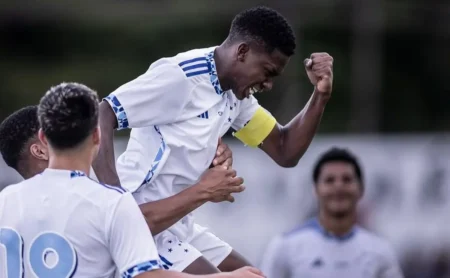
[253, 123]
[273, 263]
[157, 97]
[129, 239]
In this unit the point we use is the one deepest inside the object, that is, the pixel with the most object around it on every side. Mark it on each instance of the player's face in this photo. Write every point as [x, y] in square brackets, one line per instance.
[338, 188]
[256, 69]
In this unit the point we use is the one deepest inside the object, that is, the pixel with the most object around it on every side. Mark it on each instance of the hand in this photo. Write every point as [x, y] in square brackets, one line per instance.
[218, 183]
[320, 72]
[245, 272]
[224, 156]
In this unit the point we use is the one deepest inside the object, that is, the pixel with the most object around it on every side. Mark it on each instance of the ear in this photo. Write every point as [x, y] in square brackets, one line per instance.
[242, 51]
[42, 138]
[39, 151]
[96, 136]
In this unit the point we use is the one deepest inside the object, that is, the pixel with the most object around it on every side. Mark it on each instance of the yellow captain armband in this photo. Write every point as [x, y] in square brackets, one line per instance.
[257, 129]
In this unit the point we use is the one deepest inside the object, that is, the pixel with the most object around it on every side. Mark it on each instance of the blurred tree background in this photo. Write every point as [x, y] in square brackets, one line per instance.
[391, 57]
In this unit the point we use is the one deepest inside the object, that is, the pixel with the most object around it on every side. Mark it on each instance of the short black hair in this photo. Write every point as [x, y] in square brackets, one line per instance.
[68, 114]
[337, 155]
[16, 131]
[263, 24]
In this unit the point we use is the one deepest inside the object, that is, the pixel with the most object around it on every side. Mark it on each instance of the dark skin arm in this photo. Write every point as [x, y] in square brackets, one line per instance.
[216, 184]
[287, 144]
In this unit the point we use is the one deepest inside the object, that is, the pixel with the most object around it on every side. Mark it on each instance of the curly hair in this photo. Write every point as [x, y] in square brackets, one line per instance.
[264, 25]
[16, 131]
[337, 155]
[68, 114]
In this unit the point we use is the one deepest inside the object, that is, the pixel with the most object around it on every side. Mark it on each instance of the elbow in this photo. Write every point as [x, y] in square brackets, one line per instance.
[288, 163]
[289, 158]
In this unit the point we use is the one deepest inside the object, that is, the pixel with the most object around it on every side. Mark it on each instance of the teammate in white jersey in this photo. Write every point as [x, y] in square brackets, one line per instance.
[60, 223]
[22, 150]
[179, 108]
[333, 245]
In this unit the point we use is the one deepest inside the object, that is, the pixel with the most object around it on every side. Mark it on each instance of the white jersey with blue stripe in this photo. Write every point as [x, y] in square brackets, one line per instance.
[62, 224]
[177, 111]
[310, 251]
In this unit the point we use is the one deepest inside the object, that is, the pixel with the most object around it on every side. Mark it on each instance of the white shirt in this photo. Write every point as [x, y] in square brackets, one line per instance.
[177, 112]
[310, 251]
[71, 226]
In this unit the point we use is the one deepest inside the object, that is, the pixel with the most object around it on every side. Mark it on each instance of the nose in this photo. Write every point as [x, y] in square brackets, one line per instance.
[267, 85]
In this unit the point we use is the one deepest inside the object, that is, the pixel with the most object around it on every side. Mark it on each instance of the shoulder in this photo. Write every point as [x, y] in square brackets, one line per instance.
[376, 243]
[95, 192]
[20, 186]
[195, 64]
[305, 230]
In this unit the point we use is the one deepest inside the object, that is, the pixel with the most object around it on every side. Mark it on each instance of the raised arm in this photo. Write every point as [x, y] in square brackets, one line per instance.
[287, 144]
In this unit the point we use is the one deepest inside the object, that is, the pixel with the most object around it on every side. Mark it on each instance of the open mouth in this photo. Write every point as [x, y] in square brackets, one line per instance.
[251, 91]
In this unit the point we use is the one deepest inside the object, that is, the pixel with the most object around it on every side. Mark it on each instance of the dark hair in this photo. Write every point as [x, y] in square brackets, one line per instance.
[264, 25]
[337, 155]
[16, 131]
[68, 114]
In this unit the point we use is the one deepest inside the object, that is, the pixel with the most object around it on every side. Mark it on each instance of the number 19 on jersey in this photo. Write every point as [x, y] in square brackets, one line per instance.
[49, 255]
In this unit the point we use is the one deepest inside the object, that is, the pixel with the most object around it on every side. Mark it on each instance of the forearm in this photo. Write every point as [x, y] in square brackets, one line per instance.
[299, 132]
[104, 165]
[162, 214]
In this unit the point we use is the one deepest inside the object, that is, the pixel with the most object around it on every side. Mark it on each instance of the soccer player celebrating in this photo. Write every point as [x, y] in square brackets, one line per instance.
[332, 245]
[63, 224]
[179, 108]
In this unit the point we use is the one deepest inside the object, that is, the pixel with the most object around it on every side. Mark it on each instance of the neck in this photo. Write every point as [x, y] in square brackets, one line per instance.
[337, 225]
[220, 58]
[70, 161]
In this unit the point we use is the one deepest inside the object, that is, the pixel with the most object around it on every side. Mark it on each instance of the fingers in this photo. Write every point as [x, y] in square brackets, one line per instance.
[236, 189]
[256, 272]
[223, 155]
[230, 199]
[319, 55]
[319, 66]
[308, 63]
[236, 181]
[230, 172]
[228, 163]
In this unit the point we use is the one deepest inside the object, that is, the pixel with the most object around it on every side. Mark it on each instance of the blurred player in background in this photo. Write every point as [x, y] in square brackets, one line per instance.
[63, 224]
[332, 245]
[181, 106]
[22, 150]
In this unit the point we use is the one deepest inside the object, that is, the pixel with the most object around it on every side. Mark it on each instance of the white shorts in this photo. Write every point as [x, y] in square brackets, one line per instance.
[177, 255]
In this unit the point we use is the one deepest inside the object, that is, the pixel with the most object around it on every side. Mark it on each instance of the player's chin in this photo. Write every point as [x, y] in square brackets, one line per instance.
[340, 209]
[242, 94]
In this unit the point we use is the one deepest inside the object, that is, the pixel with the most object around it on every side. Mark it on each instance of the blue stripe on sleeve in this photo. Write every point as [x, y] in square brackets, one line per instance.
[141, 268]
[121, 115]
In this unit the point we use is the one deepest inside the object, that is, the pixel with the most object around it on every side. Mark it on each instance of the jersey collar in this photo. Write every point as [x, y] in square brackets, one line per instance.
[213, 73]
[316, 224]
[64, 173]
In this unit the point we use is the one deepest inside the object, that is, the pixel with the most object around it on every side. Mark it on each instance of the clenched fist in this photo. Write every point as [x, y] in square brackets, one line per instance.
[319, 68]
